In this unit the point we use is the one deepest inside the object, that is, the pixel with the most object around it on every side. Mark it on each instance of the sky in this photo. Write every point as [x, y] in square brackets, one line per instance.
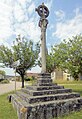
[19, 17]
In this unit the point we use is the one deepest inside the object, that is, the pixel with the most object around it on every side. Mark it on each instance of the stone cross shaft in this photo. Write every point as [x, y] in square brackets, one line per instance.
[43, 13]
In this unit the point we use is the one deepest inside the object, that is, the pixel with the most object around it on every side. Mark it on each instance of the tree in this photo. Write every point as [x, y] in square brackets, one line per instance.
[50, 64]
[23, 50]
[2, 72]
[68, 55]
[2, 75]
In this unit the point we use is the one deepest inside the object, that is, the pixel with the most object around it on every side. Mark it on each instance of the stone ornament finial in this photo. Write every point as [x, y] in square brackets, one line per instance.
[42, 11]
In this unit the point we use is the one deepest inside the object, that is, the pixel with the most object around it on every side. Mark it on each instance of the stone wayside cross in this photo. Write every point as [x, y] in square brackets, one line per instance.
[45, 100]
[43, 13]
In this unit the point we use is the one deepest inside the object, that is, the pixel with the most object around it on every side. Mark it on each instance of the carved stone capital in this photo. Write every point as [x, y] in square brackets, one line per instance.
[43, 23]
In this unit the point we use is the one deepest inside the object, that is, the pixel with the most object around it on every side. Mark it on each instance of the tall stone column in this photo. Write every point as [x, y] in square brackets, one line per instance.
[43, 13]
[43, 26]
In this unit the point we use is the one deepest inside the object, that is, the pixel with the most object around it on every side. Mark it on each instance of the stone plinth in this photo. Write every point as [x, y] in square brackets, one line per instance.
[45, 100]
[44, 79]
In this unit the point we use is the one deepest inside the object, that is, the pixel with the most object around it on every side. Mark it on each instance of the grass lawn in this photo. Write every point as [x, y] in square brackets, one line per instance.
[74, 115]
[7, 111]
[76, 86]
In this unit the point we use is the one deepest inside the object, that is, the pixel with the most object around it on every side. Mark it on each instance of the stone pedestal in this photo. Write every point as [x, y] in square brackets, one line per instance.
[44, 80]
[45, 100]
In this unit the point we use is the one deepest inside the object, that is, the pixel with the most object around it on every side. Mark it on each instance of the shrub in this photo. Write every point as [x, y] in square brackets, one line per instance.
[5, 81]
[28, 79]
[1, 80]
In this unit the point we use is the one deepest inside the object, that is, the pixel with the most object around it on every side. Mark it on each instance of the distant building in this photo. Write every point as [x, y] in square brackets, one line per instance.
[58, 74]
[12, 77]
[32, 75]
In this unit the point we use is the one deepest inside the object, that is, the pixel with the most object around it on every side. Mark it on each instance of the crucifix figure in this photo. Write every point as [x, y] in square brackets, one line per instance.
[43, 13]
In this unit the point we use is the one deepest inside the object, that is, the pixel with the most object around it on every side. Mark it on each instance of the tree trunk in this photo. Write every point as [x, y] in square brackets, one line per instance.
[22, 76]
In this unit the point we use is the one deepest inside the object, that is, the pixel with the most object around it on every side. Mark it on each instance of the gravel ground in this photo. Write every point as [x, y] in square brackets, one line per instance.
[5, 88]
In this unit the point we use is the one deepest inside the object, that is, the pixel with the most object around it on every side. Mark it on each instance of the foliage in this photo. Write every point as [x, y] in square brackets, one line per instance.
[5, 81]
[68, 82]
[24, 51]
[2, 75]
[68, 55]
[50, 64]
[28, 79]
[72, 115]
[6, 109]
[2, 72]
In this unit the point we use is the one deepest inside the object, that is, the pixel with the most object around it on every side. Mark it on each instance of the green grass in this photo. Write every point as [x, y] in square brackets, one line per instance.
[68, 82]
[8, 112]
[6, 109]
[74, 115]
[76, 86]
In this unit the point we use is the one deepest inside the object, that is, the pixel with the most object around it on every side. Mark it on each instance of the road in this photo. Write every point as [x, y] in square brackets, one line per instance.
[5, 88]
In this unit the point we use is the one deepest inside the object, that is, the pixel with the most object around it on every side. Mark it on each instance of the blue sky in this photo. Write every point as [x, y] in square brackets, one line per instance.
[19, 17]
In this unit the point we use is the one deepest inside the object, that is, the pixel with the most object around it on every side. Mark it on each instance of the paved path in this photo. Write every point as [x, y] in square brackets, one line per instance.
[5, 88]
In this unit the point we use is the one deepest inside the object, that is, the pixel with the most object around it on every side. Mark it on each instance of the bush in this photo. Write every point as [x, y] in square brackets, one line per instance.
[5, 81]
[1, 80]
[28, 79]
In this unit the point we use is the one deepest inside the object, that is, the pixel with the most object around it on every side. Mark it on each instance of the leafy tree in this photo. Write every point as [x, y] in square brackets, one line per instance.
[2, 75]
[24, 51]
[68, 55]
[2, 72]
[50, 63]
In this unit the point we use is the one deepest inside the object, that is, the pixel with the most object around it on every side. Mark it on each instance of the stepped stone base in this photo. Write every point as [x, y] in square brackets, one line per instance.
[45, 100]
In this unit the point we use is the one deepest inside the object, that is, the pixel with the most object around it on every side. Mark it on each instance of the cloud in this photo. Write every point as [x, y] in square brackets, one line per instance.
[31, 8]
[69, 28]
[60, 14]
[29, 29]
[36, 69]
[22, 2]
[25, 24]
[18, 13]
[51, 26]
[7, 2]
[16, 19]
[49, 4]
[8, 70]
[5, 30]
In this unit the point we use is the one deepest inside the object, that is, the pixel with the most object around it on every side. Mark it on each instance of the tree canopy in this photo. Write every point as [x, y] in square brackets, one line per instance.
[68, 55]
[50, 64]
[23, 50]
[2, 72]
